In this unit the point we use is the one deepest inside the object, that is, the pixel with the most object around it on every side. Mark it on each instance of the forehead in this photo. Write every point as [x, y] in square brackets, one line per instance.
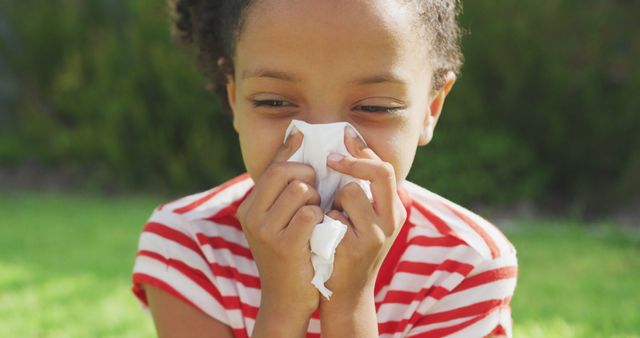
[347, 38]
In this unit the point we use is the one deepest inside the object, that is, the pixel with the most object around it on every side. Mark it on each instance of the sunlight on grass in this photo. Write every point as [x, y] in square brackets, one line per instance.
[65, 264]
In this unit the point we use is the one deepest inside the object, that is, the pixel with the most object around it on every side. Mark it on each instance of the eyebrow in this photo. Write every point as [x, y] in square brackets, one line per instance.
[276, 74]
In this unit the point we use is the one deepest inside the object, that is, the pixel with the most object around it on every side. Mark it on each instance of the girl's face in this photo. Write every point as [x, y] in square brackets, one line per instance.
[327, 61]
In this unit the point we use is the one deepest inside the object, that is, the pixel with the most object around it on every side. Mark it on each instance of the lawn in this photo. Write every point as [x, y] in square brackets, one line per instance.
[65, 264]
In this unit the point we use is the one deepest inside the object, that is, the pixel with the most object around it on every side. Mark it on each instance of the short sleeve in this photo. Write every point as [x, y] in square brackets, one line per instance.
[478, 306]
[169, 258]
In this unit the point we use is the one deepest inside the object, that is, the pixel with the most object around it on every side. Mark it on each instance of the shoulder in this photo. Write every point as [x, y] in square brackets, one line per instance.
[434, 215]
[462, 267]
[196, 225]
[193, 246]
[209, 202]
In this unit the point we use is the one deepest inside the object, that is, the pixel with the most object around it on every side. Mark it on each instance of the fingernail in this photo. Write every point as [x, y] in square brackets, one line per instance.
[351, 132]
[295, 131]
[334, 157]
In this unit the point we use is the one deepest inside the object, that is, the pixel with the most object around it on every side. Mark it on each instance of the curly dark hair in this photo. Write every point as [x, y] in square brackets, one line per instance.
[213, 26]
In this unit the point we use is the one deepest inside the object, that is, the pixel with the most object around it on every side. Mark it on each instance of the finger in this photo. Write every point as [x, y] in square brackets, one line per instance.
[356, 146]
[337, 215]
[293, 197]
[289, 147]
[353, 200]
[380, 174]
[276, 178]
[298, 231]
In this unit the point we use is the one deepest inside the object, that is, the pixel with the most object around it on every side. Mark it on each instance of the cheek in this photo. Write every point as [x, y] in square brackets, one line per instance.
[259, 142]
[396, 146]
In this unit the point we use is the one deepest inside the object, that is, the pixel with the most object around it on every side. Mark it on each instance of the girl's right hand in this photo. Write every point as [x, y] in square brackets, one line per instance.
[277, 218]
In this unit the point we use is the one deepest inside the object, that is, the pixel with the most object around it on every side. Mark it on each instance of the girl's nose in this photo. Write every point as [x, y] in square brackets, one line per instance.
[322, 115]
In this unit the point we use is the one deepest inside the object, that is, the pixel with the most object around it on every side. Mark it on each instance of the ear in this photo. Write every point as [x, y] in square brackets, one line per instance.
[435, 108]
[231, 90]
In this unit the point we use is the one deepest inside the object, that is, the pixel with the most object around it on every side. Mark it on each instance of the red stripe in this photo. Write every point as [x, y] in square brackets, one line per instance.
[406, 297]
[486, 277]
[464, 311]
[498, 331]
[173, 235]
[445, 241]
[218, 242]
[440, 224]
[211, 194]
[247, 280]
[227, 215]
[385, 274]
[448, 265]
[478, 229]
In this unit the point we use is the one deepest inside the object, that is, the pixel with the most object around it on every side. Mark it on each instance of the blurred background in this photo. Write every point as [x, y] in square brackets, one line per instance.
[102, 118]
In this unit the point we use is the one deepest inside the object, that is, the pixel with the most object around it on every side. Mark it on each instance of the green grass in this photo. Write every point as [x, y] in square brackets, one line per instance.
[65, 264]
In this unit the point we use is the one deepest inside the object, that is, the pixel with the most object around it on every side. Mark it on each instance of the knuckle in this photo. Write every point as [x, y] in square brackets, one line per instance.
[312, 195]
[385, 170]
[297, 188]
[309, 213]
[378, 238]
[351, 190]
[308, 171]
[263, 234]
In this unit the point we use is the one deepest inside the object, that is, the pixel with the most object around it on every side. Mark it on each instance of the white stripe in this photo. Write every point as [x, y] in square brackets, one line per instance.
[395, 312]
[425, 328]
[499, 289]
[171, 220]
[220, 201]
[480, 328]
[226, 257]
[438, 254]
[167, 248]
[188, 288]
[184, 200]
[212, 229]
[503, 243]
[461, 228]
[500, 262]
[233, 287]
[423, 226]
[404, 281]
[314, 326]
[381, 294]
[494, 233]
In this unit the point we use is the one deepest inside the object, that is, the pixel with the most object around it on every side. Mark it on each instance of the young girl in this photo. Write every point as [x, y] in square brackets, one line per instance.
[235, 260]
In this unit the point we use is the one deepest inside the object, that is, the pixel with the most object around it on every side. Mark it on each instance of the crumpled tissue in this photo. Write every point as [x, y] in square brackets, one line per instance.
[319, 141]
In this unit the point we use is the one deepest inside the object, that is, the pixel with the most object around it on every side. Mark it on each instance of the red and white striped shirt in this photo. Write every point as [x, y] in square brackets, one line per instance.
[449, 272]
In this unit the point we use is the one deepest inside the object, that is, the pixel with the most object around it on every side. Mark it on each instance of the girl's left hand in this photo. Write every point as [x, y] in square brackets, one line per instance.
[372, 225]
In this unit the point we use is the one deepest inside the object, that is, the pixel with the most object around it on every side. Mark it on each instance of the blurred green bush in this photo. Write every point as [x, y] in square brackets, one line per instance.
[545, 109]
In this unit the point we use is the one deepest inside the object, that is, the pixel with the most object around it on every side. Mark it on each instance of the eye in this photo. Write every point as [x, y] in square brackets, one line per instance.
[269, 103]
[379, 109]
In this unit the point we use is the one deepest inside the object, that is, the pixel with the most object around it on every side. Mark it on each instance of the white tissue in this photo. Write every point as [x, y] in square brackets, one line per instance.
[319, 141]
